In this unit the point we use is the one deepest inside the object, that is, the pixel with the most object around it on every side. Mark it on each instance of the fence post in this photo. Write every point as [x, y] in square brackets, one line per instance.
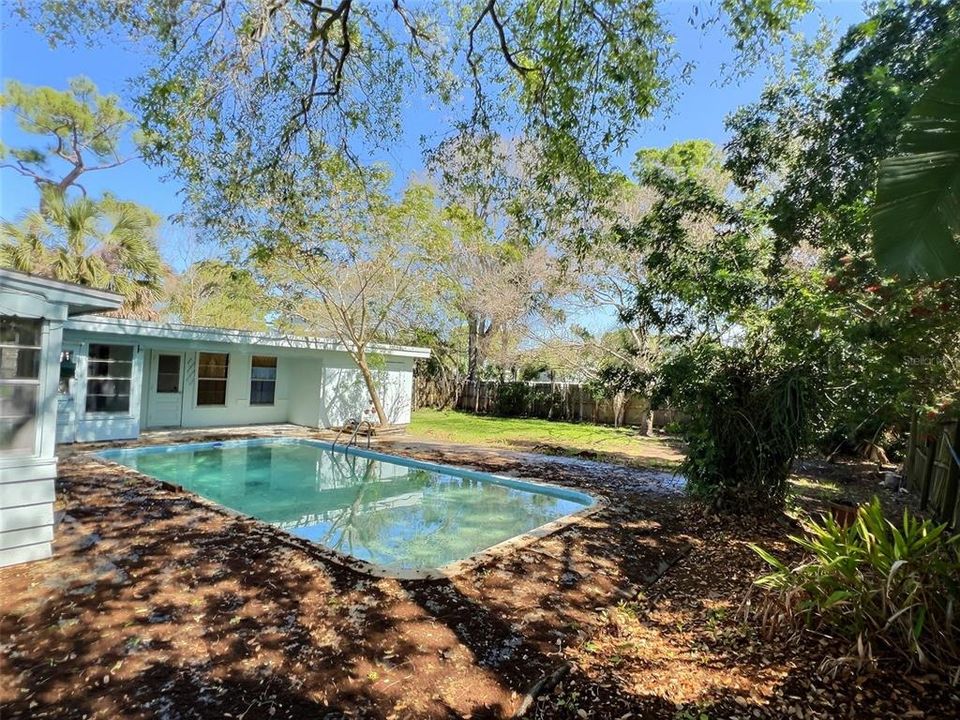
[953, 473]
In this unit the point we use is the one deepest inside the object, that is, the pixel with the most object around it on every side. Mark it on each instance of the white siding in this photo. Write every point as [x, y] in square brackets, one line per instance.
[27, 481]
[27, 486]
[306, 377]
[237, 410]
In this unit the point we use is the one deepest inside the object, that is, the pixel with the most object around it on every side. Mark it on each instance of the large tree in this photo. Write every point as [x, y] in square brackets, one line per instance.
[354, 264]
[84, 132]
[239, 90]
[812, 146]
[217, 293]
[503, 268]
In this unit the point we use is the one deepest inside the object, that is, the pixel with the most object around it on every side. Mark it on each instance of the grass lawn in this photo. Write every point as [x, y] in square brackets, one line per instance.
[812, 480]
[619, 445]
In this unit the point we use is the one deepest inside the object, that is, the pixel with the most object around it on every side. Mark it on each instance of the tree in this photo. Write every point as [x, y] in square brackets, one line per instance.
[817, 135]
[812, 148]
[238, 91]
[355, 264]
[85, 133]
[107, 244]
[217, 293]
[502, 268]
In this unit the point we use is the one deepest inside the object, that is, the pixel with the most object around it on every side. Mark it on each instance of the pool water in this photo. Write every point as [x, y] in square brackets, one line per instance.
[395, 512]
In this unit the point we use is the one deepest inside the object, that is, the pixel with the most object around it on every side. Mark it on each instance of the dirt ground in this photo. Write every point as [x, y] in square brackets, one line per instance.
[158, 605]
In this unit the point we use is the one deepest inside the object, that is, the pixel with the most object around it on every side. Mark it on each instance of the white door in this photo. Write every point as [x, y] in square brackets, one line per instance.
[67, 395]
[166, 390]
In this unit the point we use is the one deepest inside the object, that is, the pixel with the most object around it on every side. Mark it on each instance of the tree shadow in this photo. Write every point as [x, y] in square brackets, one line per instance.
[159, 605]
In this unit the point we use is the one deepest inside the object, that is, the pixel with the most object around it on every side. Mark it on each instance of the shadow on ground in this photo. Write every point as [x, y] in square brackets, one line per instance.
[156, 605]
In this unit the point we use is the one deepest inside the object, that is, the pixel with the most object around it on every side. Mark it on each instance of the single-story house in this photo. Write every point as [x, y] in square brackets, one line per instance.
[119, 376]
[107, 378]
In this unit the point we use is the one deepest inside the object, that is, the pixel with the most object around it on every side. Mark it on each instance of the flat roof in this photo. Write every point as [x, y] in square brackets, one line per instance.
[79, 299]
[147, 330]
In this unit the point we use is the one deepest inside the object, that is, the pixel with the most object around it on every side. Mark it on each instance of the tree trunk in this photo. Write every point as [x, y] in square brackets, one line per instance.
[619, 404]
[372, 390]
[473, 348]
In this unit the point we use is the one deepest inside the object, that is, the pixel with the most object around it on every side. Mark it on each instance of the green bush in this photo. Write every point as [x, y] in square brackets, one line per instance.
[512, 399]
[747, 417]
[882, 586]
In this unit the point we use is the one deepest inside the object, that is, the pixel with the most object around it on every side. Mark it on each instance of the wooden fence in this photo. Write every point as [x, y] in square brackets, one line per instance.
[571, 402]
[933, 468]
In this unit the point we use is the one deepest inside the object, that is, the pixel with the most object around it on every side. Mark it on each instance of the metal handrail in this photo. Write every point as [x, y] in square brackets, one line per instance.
[339, 433]
[357, 424]
[356, 430]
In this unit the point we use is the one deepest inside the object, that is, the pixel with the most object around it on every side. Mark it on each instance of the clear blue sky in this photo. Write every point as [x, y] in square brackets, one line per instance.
[25, 56]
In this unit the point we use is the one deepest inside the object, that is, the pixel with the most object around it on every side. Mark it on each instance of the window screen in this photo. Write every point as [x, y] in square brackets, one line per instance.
[212, 378]
[109, 369]
[263, 380]
[19, 384]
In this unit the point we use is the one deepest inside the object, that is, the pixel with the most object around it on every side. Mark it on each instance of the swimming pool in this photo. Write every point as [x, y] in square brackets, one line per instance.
[395, 513]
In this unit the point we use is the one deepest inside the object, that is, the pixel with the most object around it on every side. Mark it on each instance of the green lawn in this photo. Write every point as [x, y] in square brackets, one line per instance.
[621, 445]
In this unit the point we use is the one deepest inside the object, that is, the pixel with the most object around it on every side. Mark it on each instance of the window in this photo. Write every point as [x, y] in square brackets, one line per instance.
[168, 374]
[109, 369]
[263, 380]
[212, 378]
[19, 384]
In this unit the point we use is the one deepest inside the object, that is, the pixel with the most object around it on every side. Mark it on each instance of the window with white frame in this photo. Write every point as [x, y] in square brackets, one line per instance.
[19, 384]
[263, 380]
[109, 374]
[212, 378]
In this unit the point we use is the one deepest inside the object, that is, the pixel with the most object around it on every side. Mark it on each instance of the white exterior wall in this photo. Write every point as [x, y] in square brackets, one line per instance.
[315, 387]
[397, 381]
[344, 393]
[238, 410]
[27, 483]
[307, 378]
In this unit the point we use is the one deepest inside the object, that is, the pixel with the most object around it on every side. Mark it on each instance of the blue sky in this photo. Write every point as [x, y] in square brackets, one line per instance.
[26, 57]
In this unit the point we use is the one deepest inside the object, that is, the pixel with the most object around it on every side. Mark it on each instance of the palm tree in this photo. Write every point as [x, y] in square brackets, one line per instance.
[110, 244]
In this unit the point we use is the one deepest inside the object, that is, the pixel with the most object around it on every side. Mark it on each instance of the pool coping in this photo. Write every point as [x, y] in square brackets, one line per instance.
[448, 571]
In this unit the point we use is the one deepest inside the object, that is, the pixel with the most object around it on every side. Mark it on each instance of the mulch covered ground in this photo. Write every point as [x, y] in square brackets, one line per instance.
[156, 605]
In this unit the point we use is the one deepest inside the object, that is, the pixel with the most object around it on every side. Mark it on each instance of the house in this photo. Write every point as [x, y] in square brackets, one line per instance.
[108, 378]
[120, 376]
[33, 312]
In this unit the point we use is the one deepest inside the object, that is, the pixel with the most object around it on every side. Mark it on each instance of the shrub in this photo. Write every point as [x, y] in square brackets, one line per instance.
[748, 415]
[512, 399]
[880, 585]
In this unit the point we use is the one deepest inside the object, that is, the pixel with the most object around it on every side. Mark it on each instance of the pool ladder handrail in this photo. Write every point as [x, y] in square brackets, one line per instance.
[356, 430]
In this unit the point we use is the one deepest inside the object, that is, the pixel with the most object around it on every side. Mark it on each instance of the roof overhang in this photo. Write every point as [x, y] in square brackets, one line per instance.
[144, 331]
[79, 299]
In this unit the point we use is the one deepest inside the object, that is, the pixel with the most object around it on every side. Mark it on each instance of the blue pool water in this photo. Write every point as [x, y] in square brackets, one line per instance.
[400, 513]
